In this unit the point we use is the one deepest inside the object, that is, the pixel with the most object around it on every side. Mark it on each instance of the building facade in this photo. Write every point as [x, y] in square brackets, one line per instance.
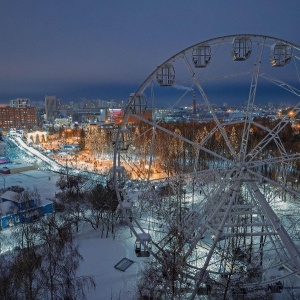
[16, 210]
[18, 117]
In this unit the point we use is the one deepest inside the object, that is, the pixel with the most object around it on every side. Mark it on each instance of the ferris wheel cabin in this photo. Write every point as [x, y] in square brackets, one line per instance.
[138, 103]
[241, 48]
[165, 75]
[201, 56]
[121, 137]
[142, 245]
[124, 211]
[117, 175]
[281, 55]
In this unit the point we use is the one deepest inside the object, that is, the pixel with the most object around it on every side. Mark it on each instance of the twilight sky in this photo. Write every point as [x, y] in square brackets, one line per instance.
[106, 49]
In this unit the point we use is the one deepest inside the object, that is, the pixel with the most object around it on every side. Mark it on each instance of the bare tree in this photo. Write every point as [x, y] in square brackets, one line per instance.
[44, 264]
[7, 291]
[61, 260]
[25, 273]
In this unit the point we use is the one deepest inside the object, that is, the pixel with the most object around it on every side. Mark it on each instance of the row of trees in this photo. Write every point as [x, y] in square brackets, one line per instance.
[181, 157]
[97, 141]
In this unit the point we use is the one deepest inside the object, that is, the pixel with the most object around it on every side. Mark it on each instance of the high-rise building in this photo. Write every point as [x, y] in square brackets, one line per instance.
[51, 106]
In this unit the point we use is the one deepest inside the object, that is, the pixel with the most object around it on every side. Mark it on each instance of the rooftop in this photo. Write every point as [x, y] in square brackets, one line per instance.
[43, 181]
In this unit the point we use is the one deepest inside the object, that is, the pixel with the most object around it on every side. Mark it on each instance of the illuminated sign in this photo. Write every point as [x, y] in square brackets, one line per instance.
[115, 115]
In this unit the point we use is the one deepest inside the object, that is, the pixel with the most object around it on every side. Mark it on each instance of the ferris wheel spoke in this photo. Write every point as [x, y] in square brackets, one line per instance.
[208, 104]
[196, 145]
[282, 156]
[281, 84]
[288, 158]
[273, 183]
[290, 247]
[250, 103]
[271, 136]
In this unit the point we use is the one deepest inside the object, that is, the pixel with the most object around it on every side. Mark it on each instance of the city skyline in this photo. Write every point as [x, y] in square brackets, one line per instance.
[104, 50]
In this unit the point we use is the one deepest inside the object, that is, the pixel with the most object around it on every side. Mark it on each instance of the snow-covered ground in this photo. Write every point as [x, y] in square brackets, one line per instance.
[100, 256]
[33, 152]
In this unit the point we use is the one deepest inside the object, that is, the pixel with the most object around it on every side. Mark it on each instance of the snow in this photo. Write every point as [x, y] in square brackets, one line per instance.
[8, 207]
[10, 195]
[100, 255]
[43, 181]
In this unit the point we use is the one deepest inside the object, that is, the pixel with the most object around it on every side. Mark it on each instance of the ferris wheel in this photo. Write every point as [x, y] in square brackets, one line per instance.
[206, 169]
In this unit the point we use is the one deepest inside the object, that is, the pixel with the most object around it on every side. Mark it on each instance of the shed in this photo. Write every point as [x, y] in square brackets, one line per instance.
[9, 214]
[14, 210]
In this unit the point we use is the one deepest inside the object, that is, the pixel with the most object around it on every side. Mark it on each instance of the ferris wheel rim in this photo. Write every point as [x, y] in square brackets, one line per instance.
[204, 42]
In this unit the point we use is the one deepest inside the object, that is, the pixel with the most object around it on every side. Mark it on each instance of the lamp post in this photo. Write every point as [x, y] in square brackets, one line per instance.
[193, 195]
[3, 181]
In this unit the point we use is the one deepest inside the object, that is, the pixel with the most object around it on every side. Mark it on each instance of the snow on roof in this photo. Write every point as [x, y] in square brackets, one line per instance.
[144, 237]
[43, 181]
[13, 196]
[10, 195]
[19, 166]
[45, 202]
[7, 208]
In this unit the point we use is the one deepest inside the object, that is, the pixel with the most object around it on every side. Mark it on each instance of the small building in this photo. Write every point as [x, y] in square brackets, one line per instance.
[14, 209]
[17, 168]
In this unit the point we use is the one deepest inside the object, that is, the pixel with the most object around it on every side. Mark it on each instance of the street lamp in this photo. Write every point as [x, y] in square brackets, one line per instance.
[3, 181]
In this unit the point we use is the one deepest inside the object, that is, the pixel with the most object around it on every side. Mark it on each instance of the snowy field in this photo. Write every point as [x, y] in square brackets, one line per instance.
[100, 257]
